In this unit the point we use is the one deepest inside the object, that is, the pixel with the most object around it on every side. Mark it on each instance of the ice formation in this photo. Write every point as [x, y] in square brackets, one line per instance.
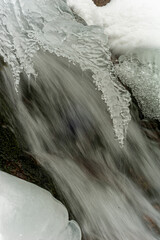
[133, 30]
[28, 212]
[27, 26]
[126, 27]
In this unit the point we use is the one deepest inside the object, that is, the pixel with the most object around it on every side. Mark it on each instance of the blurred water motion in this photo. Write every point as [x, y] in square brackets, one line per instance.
[113, 193]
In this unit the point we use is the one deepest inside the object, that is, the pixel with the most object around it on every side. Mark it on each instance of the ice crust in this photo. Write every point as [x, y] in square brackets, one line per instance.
[27, 26]
[28, 212]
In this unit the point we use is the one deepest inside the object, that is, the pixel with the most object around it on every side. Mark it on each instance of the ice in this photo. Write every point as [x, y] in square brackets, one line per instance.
[133, 29]
[28, 212]
[144, 81]
[29, 26]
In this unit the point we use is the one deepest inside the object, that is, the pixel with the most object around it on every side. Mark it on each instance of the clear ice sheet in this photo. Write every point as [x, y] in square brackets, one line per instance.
[28, 212]
[28, 26]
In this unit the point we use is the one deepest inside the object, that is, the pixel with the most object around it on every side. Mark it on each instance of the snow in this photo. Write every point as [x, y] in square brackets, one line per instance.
[28, 212]
[129, 24]
[132, 28]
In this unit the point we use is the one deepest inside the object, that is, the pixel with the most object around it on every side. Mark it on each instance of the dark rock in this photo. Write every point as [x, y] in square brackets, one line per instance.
[101, 3]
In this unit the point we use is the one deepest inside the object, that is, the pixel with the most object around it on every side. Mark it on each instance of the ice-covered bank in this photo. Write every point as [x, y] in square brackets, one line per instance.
[28, 212]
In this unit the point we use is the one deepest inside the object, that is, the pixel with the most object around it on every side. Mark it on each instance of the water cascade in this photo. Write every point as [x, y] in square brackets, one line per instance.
[55, 61]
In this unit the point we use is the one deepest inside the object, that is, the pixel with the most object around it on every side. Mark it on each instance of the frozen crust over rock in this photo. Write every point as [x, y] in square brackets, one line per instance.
[28, 212]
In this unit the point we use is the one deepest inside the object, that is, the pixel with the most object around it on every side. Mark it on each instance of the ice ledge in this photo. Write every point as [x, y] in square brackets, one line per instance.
[28, 212]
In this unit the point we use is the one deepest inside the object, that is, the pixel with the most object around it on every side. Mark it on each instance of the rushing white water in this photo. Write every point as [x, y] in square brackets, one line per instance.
[113, 193]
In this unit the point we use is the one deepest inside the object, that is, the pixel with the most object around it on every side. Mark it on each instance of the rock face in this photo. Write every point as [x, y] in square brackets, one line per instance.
[101, 3]
[28, 212]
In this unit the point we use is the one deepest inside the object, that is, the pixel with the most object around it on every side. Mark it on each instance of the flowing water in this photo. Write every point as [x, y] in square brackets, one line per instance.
[112, 192]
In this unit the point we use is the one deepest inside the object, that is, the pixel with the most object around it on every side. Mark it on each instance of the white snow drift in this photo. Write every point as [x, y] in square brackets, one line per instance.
[129, 24]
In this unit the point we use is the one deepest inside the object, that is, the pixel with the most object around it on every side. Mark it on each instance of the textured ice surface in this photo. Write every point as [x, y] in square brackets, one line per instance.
[144, 81]
[27, 26]
[133, 30]
[28, 212]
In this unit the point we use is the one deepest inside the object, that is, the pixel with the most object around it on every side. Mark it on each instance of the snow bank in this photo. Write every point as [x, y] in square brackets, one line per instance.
[129, 24]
